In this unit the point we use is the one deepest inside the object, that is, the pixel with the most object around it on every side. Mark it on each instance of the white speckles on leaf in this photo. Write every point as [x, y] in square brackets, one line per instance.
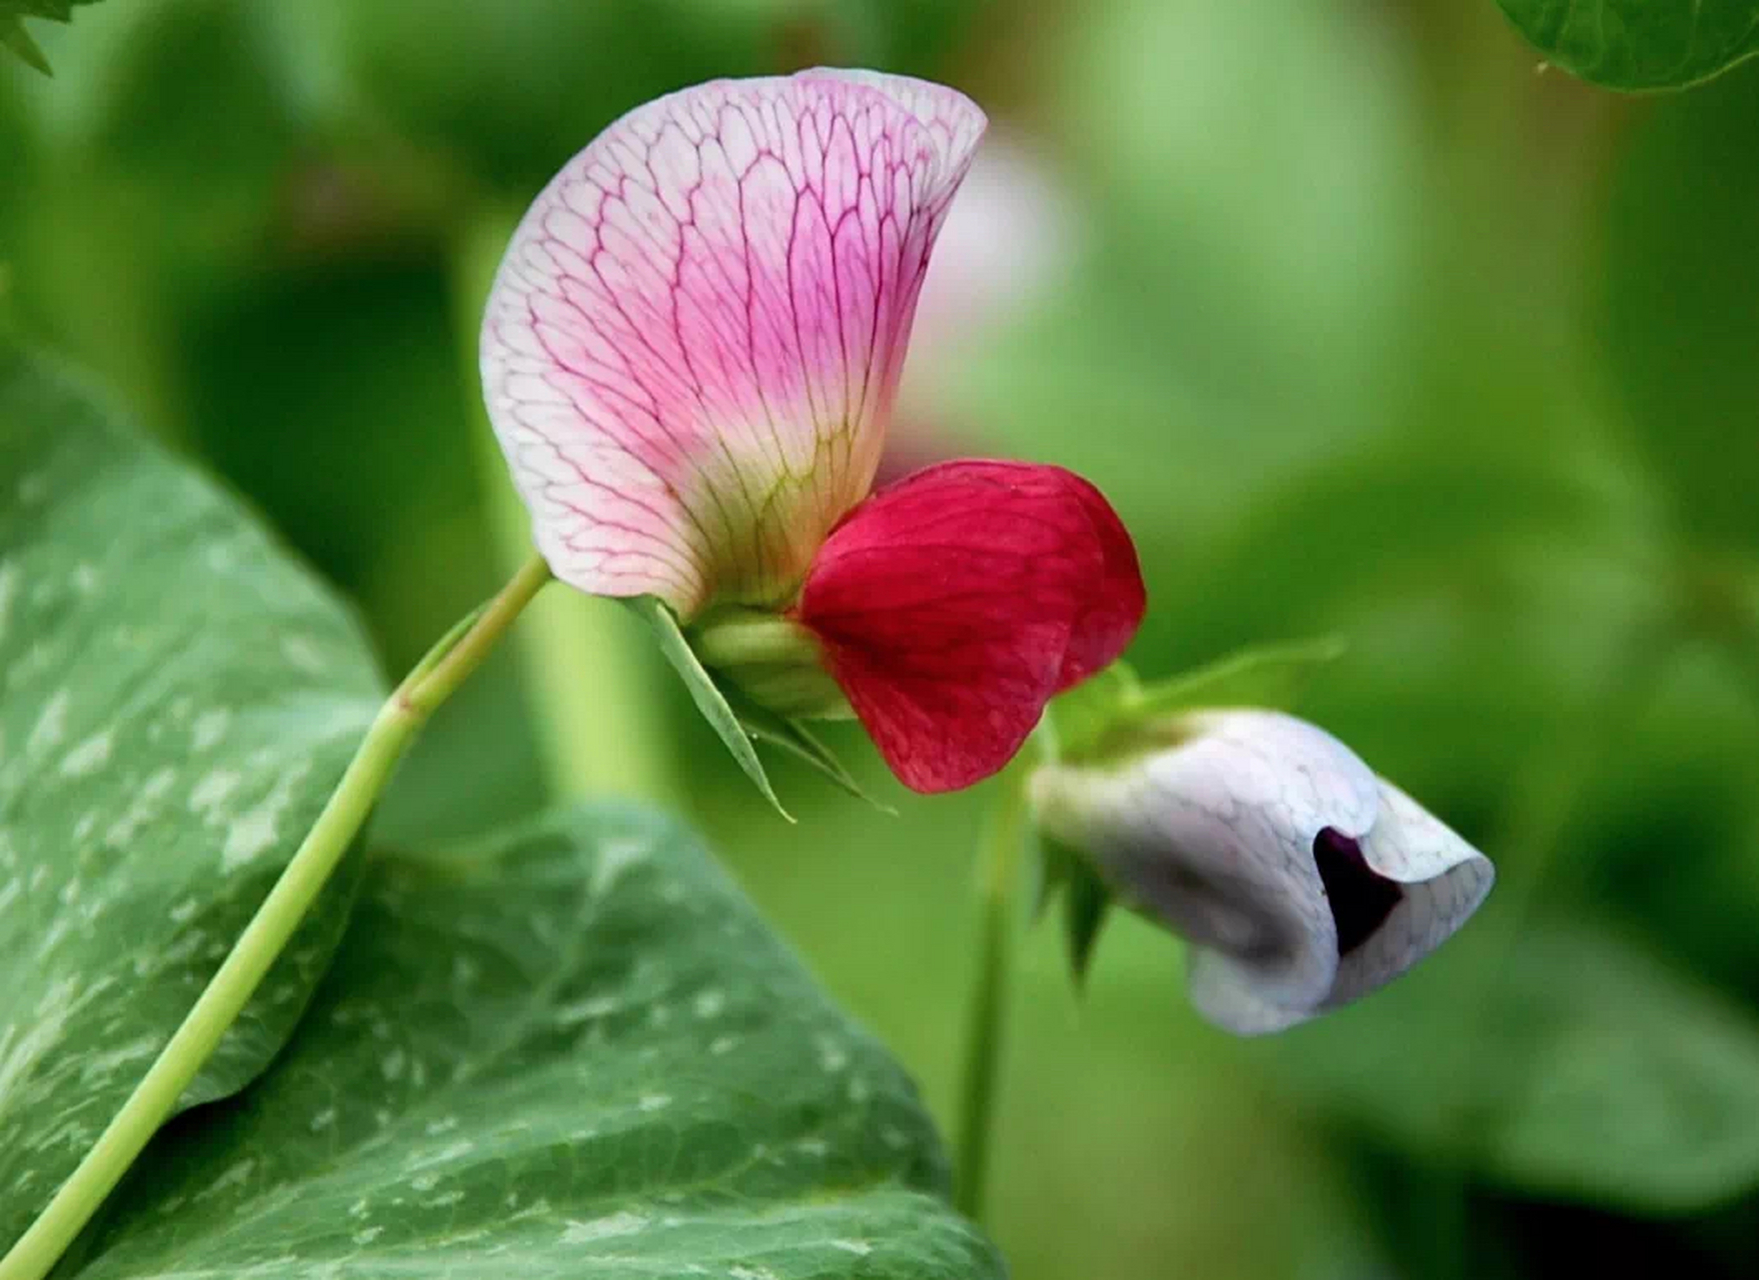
[51, 725]
[439, 1156]
[860, 1248]
[254, 832]
[144, 808]
[209, 728]
[709, 1004]
[654, 1101]
[10, 577]
[366, 1235]
[234, 1176]
[323, 1120]
[302, 655]
[615, 857]
[211, 792]
[88, 757]
[100, 1066]
[588, 1009]
[832, 1056]
[621, 1223]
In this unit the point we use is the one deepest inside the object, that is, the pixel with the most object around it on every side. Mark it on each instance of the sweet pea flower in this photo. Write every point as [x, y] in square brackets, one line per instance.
[689, 357]
[1299, 878]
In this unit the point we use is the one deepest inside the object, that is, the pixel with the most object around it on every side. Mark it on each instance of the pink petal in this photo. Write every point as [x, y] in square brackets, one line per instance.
[694, 340]
[953, 605]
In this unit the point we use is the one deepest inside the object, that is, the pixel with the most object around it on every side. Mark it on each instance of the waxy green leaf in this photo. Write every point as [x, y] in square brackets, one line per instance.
[177, 700]
[572, 1050]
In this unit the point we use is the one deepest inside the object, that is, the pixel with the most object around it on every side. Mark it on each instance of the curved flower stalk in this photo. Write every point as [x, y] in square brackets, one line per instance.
[1301, 880]
[689, 356]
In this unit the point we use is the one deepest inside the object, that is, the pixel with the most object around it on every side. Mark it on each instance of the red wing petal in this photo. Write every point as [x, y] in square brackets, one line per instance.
[1114, 607]
[949, 605]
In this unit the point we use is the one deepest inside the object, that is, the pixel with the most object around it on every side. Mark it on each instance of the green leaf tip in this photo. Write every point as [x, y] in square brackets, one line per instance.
[708, 696]
[1639, 45]
[793, 737]
[1087, 900]
[16, 38]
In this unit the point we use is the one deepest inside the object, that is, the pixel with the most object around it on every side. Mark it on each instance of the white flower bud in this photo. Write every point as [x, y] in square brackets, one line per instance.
[1300, 879]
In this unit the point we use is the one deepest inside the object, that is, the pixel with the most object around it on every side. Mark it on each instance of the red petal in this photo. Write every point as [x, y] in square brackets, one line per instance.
[954, 604]
[1114, 607]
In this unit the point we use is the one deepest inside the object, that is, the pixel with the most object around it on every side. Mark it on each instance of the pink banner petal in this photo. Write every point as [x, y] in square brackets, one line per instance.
[695, 337]
[954, 604]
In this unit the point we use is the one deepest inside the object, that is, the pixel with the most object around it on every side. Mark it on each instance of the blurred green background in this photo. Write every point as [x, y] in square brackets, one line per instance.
[1367, 323]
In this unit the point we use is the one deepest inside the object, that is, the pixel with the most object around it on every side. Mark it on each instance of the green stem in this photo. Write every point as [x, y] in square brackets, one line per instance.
[751, 637]
[434, 680]
[1003, 837]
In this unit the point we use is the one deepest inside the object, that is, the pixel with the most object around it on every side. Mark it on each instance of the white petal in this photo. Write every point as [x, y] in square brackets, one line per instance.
[1214, 836]
[1444, 878]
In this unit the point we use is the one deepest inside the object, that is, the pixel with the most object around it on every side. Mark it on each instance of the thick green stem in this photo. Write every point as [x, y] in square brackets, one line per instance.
[434, 680]
[999, 873]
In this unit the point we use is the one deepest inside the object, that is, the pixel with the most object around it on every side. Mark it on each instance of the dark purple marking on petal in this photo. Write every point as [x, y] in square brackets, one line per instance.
[1360, 898]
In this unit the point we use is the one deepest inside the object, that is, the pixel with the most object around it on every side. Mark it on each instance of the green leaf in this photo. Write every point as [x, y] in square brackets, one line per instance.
[12, 29]
[1572, 1064]
[1640, 44]
[573, 1050]
[177, 700]
[706, 694]
[1676, 305]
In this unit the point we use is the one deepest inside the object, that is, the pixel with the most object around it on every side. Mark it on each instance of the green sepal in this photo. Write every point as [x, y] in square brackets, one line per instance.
[1079, 720]
[1113, 711]
[14, 37]
[1055, 863]
[707, 695]
[1087, 901]
[792, 736]
[1273, 676]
